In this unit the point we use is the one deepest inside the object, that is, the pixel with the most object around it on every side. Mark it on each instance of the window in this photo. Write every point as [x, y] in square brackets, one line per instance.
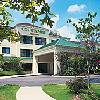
[27, 66]
[6, 50]
[32, 30]
[52, 40]
[26, 40]
[25, 53]
[40, 41]
[26, 29]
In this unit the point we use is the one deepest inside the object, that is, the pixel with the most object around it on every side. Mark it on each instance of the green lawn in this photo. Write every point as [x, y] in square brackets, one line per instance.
[61, 92]
[8, 92]
[96, 88]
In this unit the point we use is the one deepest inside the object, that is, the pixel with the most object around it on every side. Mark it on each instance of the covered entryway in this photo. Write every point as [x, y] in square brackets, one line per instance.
[45, 59]
[43, 68]
[45, 64]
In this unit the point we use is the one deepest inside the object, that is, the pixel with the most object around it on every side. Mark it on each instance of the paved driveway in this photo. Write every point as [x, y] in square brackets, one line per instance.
[40, 80]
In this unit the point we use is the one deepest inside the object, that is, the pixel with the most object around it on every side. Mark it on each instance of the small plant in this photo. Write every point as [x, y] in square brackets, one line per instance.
[77, 85]
[89, 95]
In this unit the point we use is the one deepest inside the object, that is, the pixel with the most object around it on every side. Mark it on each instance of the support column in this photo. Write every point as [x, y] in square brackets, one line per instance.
[35, 65]
[56, 64]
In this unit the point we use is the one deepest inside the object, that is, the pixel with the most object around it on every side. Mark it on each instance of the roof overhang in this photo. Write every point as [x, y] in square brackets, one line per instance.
[43, 51]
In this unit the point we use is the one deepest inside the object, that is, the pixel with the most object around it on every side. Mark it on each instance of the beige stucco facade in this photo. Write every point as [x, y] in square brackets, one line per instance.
[41, 61]
[15, 47]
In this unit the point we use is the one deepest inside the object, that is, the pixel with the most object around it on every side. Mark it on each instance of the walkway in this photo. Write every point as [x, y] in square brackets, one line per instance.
[31, 85]
[32, 93]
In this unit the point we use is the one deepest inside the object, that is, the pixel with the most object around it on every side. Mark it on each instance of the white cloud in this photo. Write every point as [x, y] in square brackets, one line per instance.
[55, 19]
[68, 31]
[65, 31]
[76, 8]
[50, 1]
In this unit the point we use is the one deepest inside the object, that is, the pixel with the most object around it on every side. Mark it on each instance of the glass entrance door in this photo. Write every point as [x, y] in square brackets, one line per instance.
[42, 68]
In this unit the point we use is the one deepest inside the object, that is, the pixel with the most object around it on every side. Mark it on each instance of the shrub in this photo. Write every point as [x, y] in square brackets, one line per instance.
[7, 73]
[77, 85]
[10, 66]
[89, 95]
[13, 63]
[71, 64]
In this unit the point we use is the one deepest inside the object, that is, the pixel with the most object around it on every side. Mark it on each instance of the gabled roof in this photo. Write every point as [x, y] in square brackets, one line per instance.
[61, 42]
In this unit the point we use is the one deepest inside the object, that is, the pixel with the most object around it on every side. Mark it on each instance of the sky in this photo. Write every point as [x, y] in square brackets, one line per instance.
[64, 10]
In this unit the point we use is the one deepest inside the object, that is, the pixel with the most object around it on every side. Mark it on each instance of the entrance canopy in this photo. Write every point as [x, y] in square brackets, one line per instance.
[46, 56]
[59, 43]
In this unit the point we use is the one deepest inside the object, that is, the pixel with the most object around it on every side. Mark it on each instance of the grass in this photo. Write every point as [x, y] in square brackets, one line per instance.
[96, 88]
[8, 92]
[61, 92]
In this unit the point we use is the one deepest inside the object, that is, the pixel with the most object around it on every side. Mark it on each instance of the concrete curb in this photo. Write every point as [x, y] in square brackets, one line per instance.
[94, 76]
[14, 76]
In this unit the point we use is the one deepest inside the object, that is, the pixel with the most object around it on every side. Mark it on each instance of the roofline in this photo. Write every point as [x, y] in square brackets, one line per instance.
[29, 24]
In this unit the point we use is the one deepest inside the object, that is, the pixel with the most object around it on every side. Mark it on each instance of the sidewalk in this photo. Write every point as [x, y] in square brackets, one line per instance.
[32, 93]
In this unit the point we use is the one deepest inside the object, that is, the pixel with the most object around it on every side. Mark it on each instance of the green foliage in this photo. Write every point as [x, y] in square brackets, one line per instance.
[62, 92]
[89, 95]
[11, 66]
[1, 60]
[94, 65]
[31, 8]
[77, 85]
[8, 73]
[88, 32]
[8, 92]
[5, 31]
[71, 64]
[76, 64]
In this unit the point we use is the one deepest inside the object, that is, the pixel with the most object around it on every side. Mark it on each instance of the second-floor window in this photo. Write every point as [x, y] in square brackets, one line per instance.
[6, 50]
[25, 52]
[40, 41]
[52, 40]
[26, 40]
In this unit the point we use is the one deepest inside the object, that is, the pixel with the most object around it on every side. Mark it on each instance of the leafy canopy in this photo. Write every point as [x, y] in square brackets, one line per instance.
[89, 33]
[86, 29]
[32, 8]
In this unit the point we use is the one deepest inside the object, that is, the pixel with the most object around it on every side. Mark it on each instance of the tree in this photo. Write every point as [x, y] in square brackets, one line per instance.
[32, 8]
[71, 64]
[1, 60]
[88, 34]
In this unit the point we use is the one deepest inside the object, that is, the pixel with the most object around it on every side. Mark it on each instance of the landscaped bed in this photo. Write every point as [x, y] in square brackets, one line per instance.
[10, 73]
[7, 73]
[62, 92]
[8, 92]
